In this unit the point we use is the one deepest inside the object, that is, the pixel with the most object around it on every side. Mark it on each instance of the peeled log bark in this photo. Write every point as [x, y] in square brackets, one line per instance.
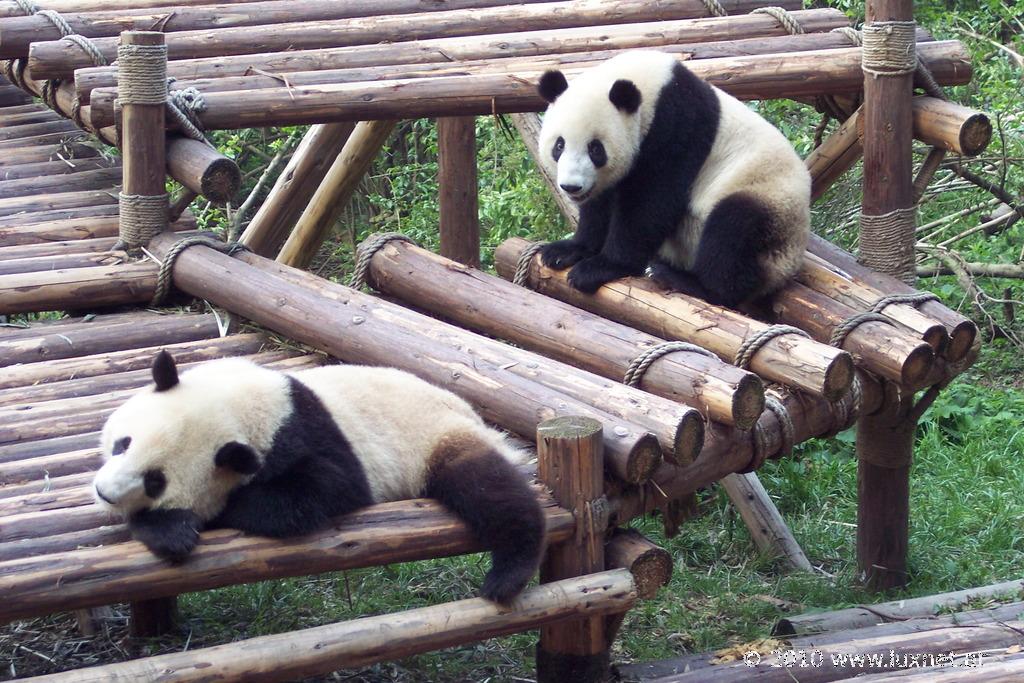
[10, 9]
[378, 535]
[56, 59]
[762, 518]
[203, 169]
[650, 565]
[68, 229]
[390, 636]
[791, 360]
[494, 307]
[69, 182]
[77, 288]
[39, 169]
[51, 202]
[44, 153]
[951, 126]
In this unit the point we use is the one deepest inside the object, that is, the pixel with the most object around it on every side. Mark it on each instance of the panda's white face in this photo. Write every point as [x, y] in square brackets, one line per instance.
[160, 447]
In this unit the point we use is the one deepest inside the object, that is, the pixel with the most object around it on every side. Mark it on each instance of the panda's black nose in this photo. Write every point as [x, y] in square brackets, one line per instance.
[571, 189]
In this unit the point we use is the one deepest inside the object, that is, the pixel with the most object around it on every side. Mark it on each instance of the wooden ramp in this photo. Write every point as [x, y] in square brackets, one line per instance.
[59, 215]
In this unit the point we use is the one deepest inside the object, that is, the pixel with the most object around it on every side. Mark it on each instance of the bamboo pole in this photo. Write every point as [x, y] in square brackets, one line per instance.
[358, 642]
[489, 305]
[56, 59]
[575, 43]
[334, 191]
[748, 77]
[295, 187]
[459, 222]
[570, 461]
[509, 386]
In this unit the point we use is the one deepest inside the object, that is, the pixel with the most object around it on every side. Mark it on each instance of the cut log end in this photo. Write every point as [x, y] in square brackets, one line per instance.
[643, 460]
[917, 366]
[838, 377]
[568, 427]
[748, 402]
[961, 339]
[975, 134]
[689, 438]
[650, 565]
[221, 180]
[937, 338]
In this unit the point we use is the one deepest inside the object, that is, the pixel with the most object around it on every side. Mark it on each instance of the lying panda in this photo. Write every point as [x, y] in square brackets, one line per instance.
[671, 172]
[233, 444]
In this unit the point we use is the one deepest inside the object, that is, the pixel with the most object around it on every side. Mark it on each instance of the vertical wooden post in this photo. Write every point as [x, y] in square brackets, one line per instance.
[571, 464]
[456, 171]
[885, 441]
[151, 618]
[142, 94]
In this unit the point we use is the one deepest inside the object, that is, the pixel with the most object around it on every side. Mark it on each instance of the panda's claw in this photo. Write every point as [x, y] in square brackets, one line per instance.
[563, 254]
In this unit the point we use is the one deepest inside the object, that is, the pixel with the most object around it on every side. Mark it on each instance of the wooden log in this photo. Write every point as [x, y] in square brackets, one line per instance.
[294, 188]
[762, 518]
[39, 375]
[16, 34]
[28, 130]
[57, 465]
[836, 155]
[152, 618]
[897, 610]
[40, 169]
[10, 9]
[334, 191]
[673, 36]
[9, 116]
[459, 222]
[37, 234]
[496, 308]
[78, 287]
[950, 126]
[202, 169]
[791, 359]
[991, 668]
[469, 365]
[570, 461]
[650, 565]
[60, 262]
[753, 77]
[82, 479]
[53, 202]
[55, 59]
[71, 182]
[92, 247]
[42, 328]
[11, 95]
[962, 331]
[358, 642]
[35, 217]
[46, 139]
[62, 499]
[60, 444]
[35, 154]
[38, 525]
[63, 542]
[154, 331]
[375, 536]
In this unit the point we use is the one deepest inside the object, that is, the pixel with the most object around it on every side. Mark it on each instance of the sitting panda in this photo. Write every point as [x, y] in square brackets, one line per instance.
[671, 172]
[233, 444]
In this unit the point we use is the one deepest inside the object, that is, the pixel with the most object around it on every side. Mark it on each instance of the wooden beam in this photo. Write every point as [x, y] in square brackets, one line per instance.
[457, 189]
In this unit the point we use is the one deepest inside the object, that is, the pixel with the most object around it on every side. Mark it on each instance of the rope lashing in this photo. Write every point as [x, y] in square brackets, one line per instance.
[754, 343]
[851, 33]
[639, 365]
[784, 18]
[912, 299]
[522, 274]
[882, 244]
[368, 249]
[89, 48]
[843, 329]
[846, 411]
[57, 20]
[66, 32]
[889, 48]
[141, 218]
[184, 106]
[163, 277]
[27, 6]
[715, 8]
[142, 77]
[762, 441]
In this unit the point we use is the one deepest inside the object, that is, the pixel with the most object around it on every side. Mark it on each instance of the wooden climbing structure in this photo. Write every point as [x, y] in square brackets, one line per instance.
[635, 398]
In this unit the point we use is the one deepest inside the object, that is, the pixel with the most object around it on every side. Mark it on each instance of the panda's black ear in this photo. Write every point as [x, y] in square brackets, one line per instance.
[237, 456]
[551, 85]
[165, 372]
[625, 96]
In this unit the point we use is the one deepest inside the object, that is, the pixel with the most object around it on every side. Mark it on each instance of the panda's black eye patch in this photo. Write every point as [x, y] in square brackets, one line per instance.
[154, 482]
[557, 150]
[121, 445]
[598, 156]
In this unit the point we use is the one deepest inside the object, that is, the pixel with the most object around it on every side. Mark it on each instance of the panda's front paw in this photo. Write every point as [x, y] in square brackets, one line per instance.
[589, 274]
[562, 254]
[169, 534]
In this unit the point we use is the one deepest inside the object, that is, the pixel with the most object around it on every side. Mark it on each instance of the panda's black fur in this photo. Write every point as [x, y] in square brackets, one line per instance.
[311, 473]
[627, 225]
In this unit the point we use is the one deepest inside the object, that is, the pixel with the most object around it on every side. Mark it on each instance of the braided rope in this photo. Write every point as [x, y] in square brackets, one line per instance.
[889, 48]
[843, 329]
[14, 70]
[783, 17]
[368, 249]
[142, 78]
[846, 411]
[913, 299]
[89, 48]
[851, 33]
[27, 6]
[141, 218]
[882, 244]
[49, 95]
[163, 277]
[184, 106]
[715, 8]
[754, 343]
[522, 274]
[76, 113]
[57, 20]
[761, 436]
[639, 365]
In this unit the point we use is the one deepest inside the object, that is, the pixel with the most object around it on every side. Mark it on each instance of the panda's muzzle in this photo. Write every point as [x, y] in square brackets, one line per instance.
[100, 495]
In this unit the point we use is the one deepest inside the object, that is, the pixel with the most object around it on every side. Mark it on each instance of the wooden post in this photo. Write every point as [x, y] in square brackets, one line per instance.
[885, 441]
[456, 179]
[334, 192]
[570, 461]
[143, 199]
[151, 618]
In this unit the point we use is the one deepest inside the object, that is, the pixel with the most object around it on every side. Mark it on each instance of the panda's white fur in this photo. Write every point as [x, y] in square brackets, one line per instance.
[711, 153]
[235, 444]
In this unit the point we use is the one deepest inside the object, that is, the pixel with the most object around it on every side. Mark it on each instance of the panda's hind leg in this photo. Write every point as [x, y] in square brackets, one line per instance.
[737, 231]
[666, 276]
[495, 501]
